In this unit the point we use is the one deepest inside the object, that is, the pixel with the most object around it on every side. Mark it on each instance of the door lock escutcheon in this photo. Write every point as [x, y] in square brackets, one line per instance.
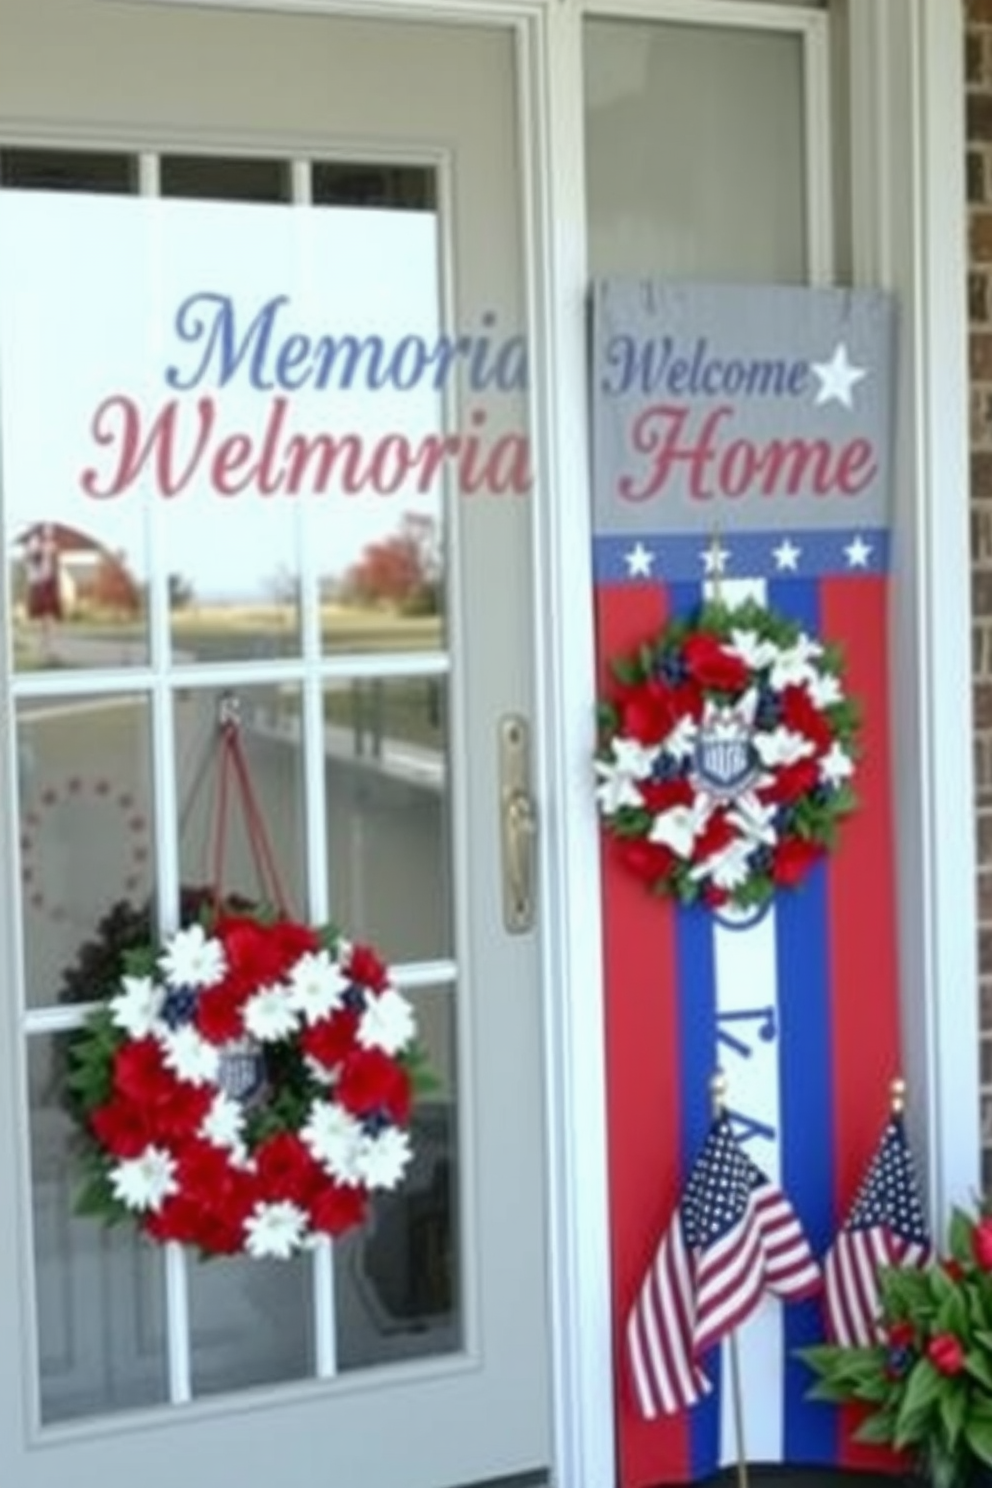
[518, 819]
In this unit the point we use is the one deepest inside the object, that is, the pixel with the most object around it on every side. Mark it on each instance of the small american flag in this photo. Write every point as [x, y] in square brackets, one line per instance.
[886, 1227]
[733, 1237]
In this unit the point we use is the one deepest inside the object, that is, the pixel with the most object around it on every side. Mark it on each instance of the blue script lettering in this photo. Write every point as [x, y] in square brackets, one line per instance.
[766, 1031]
[749, 1128]
[656, 366]
[272, 357]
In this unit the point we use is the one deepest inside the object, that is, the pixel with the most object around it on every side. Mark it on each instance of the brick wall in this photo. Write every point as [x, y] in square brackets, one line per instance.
[978, 75]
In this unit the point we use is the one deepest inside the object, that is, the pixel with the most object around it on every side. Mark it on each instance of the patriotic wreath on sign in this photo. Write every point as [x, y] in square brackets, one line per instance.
[726, 757]
[246, 1087]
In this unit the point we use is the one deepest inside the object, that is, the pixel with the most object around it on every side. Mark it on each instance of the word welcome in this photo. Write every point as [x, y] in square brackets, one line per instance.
[698, 454]
[656, 365]
[185, 443]
[268, 354]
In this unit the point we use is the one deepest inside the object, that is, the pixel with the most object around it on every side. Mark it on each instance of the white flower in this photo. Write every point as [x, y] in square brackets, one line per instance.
[753, 819]
[836, 765]
[387, 1022]
[137, 1008]
[224, 1123]
[679, 826]
[794, 665]
[782, 746]
[269, 1014]
[384, 1158]
[681, 742]
[275, 1230]
[335, 1139]
[317, 985]
[146, 1181]
[824, 690]
[729, 868]
[754, 652]
[190, 1056]
[193, 960]
[617, 786]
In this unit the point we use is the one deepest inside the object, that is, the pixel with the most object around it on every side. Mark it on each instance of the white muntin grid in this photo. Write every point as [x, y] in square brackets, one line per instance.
[156, 684]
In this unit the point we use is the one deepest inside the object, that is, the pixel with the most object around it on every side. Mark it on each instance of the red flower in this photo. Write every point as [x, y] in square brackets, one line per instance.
[259, 952]
[792, 859]
[365, 968]
[649, 860]
[953, 1269]
[139, 1074]
[715, 897]
[651, 710]
[121, 1127]
[801, 714]
[219, 1011]
[712, 665]
[371, 1081]
[182, 1112]
[945, 1353]
[294, 940]
[337, 1207]
[902, 1335]
[662, 795]
[286, 1170]
[715, 836]
[792, 781]
[330, 1039]
[981, 1243]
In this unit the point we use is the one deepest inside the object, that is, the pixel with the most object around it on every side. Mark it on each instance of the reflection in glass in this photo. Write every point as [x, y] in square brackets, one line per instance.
[386, 763]
[99, 1293]
[397, 1290]
[68, 170]
[390, 595]
[86, 829]
[213, 178]
[269, 741]
[75, 601]
[252, 1323]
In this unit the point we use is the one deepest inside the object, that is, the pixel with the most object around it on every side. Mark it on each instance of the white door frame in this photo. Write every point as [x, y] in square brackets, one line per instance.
[906, 182]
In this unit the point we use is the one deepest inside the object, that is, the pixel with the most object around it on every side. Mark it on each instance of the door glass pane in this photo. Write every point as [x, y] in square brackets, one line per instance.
[397, 1286]
[388, 849]
[101, 1330]
[694, 151]
[87, 840]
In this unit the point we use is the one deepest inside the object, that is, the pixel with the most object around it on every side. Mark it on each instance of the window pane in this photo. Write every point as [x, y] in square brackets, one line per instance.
[386, 768]
[213, 179]
[99, 1293]
[68, 170]
[86, 829]
[694, 151]
[397, 1284]
[342, 184]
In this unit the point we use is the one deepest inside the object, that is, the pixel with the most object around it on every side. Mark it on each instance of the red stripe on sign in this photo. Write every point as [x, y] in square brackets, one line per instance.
[862, 920]
[643, 1102]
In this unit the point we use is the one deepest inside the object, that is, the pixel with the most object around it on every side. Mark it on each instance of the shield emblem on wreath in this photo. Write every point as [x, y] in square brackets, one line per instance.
[724, 764]
[242, 1070]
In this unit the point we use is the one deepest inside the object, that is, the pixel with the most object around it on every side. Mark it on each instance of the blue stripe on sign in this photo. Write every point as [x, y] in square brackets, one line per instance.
[697, 1060]
[696, 972]
[685, 558]
[805, 1069]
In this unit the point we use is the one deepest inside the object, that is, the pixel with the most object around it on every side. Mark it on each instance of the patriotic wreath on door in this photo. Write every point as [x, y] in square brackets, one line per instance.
[727, 755]
[245, 1086]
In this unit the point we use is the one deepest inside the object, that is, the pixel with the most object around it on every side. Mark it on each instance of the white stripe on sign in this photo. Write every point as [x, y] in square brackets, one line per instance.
[746, 973]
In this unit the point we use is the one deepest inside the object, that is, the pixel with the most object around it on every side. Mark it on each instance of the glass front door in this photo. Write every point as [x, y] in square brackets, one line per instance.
[265, 463]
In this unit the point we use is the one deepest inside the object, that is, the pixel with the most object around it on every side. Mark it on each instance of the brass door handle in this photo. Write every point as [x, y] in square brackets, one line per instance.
[518, 826]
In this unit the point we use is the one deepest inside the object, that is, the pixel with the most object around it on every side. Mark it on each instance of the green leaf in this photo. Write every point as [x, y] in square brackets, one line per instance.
[953, 1403]
[878, 1429]
[978, 1435]
[923, 1386]
[978, 1366]
[960, 1236]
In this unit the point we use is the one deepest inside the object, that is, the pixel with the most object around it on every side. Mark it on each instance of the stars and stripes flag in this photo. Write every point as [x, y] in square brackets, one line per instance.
[886, 1227]
[734, 1237]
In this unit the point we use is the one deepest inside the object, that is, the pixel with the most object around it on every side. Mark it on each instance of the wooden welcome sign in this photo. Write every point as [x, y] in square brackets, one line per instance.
[743, 453]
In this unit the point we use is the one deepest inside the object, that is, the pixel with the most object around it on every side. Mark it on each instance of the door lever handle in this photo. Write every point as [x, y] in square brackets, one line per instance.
[518, 826]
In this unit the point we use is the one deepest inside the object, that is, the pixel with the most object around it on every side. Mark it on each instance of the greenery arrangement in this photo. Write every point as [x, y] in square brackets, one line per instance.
[926, 1386]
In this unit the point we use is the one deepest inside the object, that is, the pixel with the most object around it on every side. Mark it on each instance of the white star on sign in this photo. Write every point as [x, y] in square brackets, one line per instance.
[786, 555]
[715, 558]
[838, 377]
[639, 561]
[857, 553]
